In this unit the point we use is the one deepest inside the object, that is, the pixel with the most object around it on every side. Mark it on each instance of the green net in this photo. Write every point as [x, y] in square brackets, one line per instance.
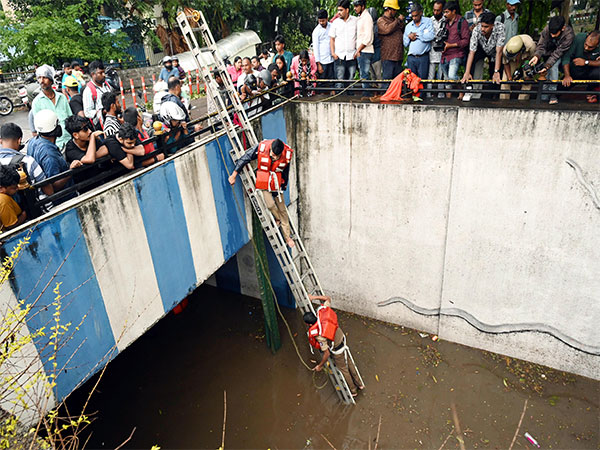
[266, 295]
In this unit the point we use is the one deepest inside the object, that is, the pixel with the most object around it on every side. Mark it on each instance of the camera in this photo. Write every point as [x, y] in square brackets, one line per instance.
[440, 39]
[251, 82]
[527, 71]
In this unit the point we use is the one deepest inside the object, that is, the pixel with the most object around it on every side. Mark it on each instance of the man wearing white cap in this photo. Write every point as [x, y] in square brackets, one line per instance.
[510, 19]
[48, 98]
[44, 150]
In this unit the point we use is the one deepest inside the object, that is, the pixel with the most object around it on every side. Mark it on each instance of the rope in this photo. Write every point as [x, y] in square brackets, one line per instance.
[320, 100]
[261, 262]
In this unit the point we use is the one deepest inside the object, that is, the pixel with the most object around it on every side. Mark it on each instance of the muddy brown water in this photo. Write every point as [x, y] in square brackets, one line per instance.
[169, 386]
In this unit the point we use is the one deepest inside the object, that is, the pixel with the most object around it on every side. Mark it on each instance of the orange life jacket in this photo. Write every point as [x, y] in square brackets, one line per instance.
[269, 174]
[395, 91]
[326, 326]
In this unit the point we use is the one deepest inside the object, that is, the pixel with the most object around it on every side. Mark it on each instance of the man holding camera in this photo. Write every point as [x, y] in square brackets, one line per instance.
[457, 41]
[555, 41]
[517, 51]
[441, 35]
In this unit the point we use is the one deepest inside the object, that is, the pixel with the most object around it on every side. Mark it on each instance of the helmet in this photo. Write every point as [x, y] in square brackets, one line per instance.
[160, 86]
[391, 4]
[167, 59]
[514, 46]
[71, 81]
[174, 58]
[45, 121]
[359, 2]
[171, 111]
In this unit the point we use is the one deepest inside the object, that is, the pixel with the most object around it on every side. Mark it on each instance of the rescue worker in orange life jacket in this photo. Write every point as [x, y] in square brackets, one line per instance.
[325, 334]
[273, 169]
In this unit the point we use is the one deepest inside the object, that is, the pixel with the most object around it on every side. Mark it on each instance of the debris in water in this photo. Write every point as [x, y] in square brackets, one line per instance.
[377, 377]
[434, 338]
[434, 379]
[504, 381]
[423, 335]
[531, 440]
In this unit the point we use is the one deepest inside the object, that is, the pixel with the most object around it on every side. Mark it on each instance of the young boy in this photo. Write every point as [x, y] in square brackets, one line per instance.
[11, 215]
[124, 147]
[84, 146]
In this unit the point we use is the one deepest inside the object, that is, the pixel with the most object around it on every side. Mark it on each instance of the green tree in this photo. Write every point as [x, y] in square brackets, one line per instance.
[52, 31]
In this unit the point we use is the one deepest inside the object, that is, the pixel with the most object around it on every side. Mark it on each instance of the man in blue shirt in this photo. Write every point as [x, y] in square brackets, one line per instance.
[321, 47]
[168, 70]
[44, 150]
[417, 39]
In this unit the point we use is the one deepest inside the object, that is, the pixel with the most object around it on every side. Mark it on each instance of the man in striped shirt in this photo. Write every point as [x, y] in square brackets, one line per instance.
[111, 108]
[11, 136]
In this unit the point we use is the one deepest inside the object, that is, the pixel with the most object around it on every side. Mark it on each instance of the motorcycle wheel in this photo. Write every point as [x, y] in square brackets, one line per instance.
[6, 106]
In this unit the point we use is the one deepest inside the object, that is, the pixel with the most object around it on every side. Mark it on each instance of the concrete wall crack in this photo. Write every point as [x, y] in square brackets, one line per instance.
[586, 184]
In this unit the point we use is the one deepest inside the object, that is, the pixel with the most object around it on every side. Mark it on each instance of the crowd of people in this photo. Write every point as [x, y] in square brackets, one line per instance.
[80, 122]
[438, 47]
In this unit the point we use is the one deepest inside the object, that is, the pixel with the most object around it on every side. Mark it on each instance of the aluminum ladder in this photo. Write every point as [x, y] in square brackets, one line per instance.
[296, 265]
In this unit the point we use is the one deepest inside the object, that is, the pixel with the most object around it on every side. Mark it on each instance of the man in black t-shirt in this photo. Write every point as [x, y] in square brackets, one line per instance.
[75, 100]
[85, 146]
[124, 147]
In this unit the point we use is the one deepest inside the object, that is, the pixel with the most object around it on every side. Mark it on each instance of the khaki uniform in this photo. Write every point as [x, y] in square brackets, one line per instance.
[344, 364]
[277, 207]
[515, 63]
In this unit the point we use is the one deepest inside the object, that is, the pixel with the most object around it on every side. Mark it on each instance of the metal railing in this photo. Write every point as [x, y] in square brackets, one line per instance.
[536, 90]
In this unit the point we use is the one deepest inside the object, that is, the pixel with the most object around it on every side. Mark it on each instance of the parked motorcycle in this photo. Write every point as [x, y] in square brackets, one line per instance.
[29, 90]
[6, 106]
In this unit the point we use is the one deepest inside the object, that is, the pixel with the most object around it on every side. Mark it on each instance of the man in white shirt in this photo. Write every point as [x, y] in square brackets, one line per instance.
[343, 43]
[364, 41]
[321, 47]
[92, 95]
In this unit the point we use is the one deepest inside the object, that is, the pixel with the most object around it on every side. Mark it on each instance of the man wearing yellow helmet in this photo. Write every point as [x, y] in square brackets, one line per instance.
[390, 29]
[518, 49]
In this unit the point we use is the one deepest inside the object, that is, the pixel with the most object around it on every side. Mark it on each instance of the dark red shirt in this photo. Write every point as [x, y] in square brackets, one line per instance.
[454, 37]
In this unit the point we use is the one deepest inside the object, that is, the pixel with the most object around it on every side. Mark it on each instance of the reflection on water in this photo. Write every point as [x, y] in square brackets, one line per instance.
[169, 386]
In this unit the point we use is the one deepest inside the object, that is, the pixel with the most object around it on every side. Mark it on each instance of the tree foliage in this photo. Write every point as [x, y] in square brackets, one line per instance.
[53, 31]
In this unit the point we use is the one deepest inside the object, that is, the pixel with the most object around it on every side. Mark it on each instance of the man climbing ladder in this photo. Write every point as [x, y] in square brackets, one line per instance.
[326, 335]
[274, 159]
[295, 263]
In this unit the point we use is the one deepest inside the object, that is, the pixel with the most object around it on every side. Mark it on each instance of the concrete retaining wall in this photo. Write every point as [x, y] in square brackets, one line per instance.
[463, 222]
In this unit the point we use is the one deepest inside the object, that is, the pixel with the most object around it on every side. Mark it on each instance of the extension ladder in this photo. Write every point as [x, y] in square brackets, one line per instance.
[296, 265]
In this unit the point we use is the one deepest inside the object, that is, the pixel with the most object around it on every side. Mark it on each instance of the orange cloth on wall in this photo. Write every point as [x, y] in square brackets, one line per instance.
[394, 92]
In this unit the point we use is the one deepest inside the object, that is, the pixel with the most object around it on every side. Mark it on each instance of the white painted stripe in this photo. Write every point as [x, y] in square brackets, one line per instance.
[23, 365]
[200, 212]
[118, 247]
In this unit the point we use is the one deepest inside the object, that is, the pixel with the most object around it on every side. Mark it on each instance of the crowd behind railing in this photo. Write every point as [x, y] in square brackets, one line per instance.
[83, 138]
[446, 46]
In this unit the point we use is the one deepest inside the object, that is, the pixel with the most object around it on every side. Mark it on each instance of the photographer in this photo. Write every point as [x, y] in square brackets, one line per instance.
[555, 41]
[437, 46]
[517, 51]
[455, 47]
